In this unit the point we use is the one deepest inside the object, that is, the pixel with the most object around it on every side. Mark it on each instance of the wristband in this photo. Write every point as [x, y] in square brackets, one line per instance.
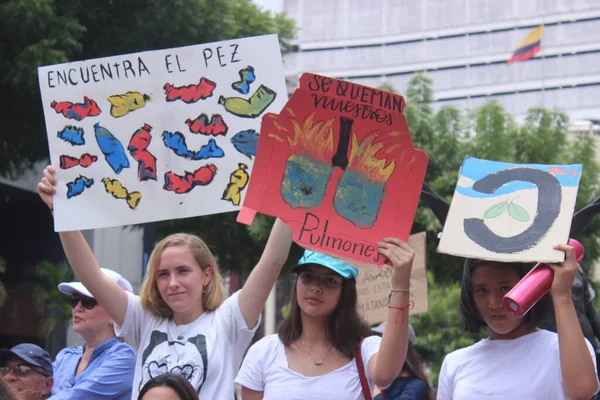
[400, 309]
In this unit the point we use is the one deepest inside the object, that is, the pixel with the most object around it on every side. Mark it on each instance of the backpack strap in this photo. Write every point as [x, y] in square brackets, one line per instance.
[361, 371]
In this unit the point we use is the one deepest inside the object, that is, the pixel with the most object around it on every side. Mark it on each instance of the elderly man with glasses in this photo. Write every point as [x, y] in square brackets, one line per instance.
[27, 369]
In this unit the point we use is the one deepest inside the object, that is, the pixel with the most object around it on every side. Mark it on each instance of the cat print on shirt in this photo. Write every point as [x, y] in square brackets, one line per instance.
[178, 357]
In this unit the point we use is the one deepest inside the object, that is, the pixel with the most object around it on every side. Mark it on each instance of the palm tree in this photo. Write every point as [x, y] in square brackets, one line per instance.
[41, 284]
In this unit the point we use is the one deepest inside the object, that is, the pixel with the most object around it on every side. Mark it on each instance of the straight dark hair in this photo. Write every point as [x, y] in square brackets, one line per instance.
[181, 386]
[345, 327]
[414, 366]
[470, 317]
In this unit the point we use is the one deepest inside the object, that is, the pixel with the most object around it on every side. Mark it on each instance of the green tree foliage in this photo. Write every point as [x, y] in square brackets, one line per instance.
[43, 32]
[487, 132]
[42, 285]
[438, 331]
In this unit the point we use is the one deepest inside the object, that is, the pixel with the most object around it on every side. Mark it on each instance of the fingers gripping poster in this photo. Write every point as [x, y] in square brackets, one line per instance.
[511, 212]
[338, 165]
[160, 134]
[374, 289]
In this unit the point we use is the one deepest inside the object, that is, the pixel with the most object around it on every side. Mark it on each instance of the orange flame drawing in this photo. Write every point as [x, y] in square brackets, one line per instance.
[363, 157]
[309, 138]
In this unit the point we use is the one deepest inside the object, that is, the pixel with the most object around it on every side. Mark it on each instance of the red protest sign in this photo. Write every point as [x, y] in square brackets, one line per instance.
[338, 165]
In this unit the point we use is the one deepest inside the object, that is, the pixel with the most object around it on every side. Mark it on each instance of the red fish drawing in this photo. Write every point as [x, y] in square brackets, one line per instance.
[85, 161]
[138, 148]
[76, 111]
[560, 171]
[202, 125]
[190, 93]
[183, 184]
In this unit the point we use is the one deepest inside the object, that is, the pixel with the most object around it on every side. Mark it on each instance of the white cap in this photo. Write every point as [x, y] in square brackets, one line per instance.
[411, 331]
[77, 287]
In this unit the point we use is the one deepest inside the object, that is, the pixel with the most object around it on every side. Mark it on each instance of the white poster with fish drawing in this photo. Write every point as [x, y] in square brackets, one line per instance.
[511, 212]
[160, 134]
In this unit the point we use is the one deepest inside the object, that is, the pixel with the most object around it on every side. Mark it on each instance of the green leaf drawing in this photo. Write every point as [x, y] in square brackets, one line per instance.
[495, 210]
[518, 212]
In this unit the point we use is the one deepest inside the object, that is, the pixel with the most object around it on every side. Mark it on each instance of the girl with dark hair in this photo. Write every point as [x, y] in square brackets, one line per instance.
[413, 383]
[319, 349]
[168, 386]
[518, 360]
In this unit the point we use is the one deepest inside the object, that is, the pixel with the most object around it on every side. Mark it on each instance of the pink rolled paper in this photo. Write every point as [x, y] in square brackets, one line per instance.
[525, 294]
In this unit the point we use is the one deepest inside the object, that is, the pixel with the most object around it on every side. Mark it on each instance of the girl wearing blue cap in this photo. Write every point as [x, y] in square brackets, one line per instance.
[319, 348]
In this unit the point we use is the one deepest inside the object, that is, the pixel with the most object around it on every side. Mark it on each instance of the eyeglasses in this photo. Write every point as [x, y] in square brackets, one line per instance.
[328, 282]
[87, 302]
[19, 370]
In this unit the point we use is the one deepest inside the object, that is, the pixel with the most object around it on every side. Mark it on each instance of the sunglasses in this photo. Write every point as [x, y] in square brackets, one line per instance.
[87, 302]
[19, 370]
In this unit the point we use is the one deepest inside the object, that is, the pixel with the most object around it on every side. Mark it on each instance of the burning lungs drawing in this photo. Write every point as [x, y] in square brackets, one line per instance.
[338, 165]
[178, 357]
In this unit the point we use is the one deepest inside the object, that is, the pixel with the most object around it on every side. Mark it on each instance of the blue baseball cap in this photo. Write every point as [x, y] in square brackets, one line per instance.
[311, 257]
[31, 354]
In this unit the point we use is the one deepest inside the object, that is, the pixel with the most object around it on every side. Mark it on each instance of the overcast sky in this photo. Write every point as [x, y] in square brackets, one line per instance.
[273, 5]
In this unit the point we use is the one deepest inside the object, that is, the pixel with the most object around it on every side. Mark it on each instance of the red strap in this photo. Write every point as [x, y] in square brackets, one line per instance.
[361, 372]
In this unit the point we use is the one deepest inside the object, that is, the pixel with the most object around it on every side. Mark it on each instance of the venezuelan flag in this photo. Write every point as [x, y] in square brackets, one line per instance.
[528, 47]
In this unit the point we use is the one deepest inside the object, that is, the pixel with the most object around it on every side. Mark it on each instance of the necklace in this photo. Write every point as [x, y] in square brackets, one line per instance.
[317, 363]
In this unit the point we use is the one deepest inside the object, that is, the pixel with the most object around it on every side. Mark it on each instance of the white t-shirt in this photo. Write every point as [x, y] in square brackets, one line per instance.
[265, 369]
[207, 351]
[524, 368]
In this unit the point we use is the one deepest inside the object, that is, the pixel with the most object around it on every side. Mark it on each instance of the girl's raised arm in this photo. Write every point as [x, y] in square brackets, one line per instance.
[385, 366]
[255, 292]
[82, 260]
[576, 363]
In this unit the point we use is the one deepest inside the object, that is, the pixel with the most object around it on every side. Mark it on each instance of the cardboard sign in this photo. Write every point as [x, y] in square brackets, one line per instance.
[159, 134]
[374, 289]
[338, 165]
[511, 212]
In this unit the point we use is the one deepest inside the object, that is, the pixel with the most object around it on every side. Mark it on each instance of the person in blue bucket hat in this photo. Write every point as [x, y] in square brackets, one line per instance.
[323, 348]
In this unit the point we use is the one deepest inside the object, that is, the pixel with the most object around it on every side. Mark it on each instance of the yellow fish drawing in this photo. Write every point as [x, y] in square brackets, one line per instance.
[237, 182]
[114, 188]
[121, 104]
[251, 108]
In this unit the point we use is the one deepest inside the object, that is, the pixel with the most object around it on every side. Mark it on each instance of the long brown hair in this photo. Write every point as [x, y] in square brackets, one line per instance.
[213, 294]
[345, 327]
[413, 365]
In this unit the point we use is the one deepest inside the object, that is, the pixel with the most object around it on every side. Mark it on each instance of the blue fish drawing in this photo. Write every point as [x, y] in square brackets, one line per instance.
[112, 148]
[72, 134]
[246, 142]
[176, 142]
[77, 187]
[247, 76]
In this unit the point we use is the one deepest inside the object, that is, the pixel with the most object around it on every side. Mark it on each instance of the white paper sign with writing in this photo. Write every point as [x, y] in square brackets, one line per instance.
[374, 290]
[160, 134]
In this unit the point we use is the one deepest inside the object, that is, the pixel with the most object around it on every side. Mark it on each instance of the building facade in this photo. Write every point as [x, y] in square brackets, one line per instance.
[462, 45]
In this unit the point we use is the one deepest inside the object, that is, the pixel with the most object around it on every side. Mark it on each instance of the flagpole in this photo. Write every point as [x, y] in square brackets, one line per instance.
[543, 58]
